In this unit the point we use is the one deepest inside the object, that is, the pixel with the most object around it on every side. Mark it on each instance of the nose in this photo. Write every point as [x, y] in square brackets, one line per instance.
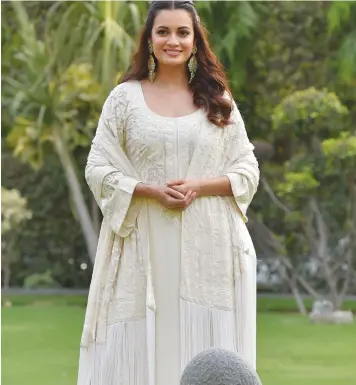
[173, 40]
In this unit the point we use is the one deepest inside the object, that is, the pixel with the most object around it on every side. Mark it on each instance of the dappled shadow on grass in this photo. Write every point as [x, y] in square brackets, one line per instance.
[288, 305]
[264, 304]
[44, 300]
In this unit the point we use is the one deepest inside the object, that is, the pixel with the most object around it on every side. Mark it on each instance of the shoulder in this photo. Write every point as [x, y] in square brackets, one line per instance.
[120, 97]
[125, 88]
[235, 117]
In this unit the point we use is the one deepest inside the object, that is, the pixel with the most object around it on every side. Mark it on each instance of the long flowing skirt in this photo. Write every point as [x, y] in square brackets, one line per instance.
[154, 350]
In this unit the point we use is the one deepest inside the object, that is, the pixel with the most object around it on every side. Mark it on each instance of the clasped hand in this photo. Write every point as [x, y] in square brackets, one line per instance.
[178, 194]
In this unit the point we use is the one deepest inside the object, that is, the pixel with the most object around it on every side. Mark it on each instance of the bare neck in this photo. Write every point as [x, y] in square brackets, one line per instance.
[170, 77]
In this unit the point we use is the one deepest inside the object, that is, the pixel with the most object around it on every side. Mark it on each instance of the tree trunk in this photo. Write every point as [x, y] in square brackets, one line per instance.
[298, 298]
[7, 273]
[268, 242]
[299, 278]
[95, 214]
[86, 223]
[322, 252]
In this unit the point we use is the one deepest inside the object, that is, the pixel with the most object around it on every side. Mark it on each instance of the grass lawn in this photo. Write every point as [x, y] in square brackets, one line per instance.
[40, 344]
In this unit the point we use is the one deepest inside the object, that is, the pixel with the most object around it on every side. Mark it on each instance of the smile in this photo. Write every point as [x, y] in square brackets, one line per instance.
[172, 52]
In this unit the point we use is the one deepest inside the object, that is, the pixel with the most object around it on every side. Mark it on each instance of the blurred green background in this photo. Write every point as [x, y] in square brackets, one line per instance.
[292, 70]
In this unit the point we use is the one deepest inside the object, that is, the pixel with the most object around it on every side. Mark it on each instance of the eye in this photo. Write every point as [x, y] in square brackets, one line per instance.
[184, 33]
[162, 32]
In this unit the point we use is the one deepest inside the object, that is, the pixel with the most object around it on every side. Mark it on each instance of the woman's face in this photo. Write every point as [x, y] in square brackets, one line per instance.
[173, 37]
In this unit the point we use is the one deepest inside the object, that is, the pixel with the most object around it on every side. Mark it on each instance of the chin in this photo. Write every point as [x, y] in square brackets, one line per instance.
[172, 60]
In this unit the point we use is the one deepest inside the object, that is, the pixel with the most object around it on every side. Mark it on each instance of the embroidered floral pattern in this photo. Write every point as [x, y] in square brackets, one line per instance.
[161, 149]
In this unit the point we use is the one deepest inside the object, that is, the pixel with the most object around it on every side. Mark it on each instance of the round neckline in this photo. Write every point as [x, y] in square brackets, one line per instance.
[161, 116]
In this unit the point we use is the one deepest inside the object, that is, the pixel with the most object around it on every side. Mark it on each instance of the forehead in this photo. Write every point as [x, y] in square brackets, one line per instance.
[174, 18]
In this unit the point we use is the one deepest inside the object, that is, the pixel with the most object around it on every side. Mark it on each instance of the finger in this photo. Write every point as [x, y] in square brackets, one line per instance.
[194, 195]
[174, 193]
[175, 182]
[180, 203]
[176, 204]
[179, 188]
[188, 198]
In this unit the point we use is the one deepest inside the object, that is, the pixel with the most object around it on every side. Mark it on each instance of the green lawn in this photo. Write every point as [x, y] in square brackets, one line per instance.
[40, 345]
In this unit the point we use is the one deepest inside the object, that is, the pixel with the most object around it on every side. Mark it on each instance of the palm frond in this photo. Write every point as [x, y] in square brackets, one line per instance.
[347, 58]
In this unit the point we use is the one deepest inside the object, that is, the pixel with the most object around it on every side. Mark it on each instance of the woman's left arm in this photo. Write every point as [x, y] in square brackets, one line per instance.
[242, 166]
[204, 187]
[216, 187]
[241, 175]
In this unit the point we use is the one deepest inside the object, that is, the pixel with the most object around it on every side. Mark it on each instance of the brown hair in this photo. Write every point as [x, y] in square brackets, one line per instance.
[209, 83]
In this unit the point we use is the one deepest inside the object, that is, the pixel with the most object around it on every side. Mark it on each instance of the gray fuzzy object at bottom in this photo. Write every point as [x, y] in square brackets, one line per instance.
[219, 367]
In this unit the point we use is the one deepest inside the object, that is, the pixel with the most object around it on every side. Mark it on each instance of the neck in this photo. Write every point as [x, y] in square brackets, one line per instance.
[172, 77]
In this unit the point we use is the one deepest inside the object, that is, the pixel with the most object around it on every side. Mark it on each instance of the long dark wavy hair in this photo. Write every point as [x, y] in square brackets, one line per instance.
[210, 82]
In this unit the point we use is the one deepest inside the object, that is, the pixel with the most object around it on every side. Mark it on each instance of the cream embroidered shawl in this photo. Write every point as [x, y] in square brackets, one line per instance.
[219, 152]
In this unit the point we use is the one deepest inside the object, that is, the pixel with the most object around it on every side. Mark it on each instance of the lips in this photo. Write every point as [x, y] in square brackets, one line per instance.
[173, 52]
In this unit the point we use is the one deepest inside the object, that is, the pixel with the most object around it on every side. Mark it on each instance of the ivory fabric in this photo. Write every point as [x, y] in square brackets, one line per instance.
[167, 285]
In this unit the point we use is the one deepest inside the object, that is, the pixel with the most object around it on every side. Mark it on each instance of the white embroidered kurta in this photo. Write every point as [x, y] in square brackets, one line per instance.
[167, 284]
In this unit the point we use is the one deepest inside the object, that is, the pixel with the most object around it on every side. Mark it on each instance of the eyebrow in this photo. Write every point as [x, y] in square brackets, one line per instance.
[164, 27]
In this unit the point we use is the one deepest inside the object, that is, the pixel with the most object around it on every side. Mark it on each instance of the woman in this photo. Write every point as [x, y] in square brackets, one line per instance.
[173, 172]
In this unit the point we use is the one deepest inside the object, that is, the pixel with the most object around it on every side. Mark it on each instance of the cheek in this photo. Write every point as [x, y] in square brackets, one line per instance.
[188, 44]
[158, 42]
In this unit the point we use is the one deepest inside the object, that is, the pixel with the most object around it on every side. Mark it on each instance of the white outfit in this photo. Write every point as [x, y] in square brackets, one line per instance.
[167, 284]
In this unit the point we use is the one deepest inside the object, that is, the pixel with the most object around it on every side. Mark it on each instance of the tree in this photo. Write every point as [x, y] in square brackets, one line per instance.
[234, 26]
[114, 26]
[53, 96]
[341, 17]
[291, 51]
[13, 213]
[320, 231]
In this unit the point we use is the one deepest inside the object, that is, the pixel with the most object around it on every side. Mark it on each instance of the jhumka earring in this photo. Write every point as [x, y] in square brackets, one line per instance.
[193, 64]
[151, 63]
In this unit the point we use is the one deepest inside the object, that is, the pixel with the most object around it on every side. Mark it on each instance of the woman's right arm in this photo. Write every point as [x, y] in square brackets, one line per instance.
[143, 190]
[111, 185]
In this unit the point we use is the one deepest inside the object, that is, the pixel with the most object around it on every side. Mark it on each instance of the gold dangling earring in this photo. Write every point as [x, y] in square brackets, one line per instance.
[193, 64]
[151, 63]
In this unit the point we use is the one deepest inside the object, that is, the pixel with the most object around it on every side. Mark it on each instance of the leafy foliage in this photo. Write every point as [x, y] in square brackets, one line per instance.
[340, 153]
[298, 183]
[309, 112]
[341, 17]
[13, 210]
[232, 37]
[40, 280]
[52, 239]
